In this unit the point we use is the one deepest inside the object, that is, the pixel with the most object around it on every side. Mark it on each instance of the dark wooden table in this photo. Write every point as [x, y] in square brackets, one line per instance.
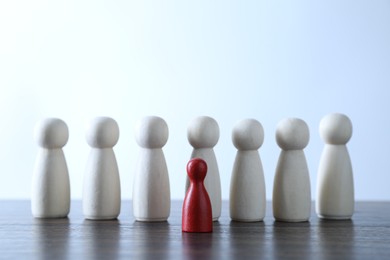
[366, 236]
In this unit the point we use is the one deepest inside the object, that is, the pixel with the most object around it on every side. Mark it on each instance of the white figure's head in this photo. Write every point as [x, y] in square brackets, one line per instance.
[102, 132]
[203, 132]
[151, 132]
[336, 129]
[248, 134]
[51, 133]
[292, 134]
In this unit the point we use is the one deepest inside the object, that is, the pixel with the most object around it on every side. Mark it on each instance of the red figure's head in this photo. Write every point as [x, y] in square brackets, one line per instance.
[197, 169]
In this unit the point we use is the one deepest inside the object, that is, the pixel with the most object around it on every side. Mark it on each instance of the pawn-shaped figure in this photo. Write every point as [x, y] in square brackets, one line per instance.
[197, 212]
[151, 190]
[203, 135]
[50, 182]
[102, 190]
[335, 189]
[247, 186]
[291, 194]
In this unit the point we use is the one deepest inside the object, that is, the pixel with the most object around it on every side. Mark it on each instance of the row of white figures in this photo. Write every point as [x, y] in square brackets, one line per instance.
[101, 191]
[291, 199]
[151, 192]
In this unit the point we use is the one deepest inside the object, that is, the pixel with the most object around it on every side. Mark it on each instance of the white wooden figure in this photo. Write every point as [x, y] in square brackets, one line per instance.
[50, 182]
[102, 190]
[151, 190]
[247, 186]
[291, 195]
[203, 135]
[335, 188]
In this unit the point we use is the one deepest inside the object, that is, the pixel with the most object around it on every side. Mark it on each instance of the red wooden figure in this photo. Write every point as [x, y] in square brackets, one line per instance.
[197, 214]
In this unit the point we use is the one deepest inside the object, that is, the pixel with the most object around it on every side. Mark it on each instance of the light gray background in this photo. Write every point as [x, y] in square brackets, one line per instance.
[227, 59]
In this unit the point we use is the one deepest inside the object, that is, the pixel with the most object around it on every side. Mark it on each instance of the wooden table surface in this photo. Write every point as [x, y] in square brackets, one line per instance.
[366, 236]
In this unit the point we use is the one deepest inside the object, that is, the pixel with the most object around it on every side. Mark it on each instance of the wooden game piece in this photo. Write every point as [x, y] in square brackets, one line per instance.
[102, 191]
[203, 135]
[247, 186]
[197, 212]
[151, 190]
[291, 194]
[50, 182]
[335, 189]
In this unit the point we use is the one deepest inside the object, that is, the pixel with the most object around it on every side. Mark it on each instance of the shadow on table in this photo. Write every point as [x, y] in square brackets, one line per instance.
[248, 240]
[197, 245]
[215, 245]
[151, 240]
[51, 238]
[292, 240]
[336, 239]
[101, 239]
